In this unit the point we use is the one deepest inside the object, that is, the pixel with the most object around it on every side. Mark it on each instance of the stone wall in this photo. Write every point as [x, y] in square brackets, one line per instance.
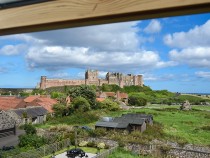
[188, 151]
[59, 82]
[110, 143]
[91, 78]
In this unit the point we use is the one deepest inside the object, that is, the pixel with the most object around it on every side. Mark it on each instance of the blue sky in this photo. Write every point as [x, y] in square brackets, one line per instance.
[172, 53]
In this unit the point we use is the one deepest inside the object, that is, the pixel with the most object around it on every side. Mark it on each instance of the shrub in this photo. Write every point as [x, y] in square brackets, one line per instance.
[137, 101]
[29, 129]
[101, 145]
[91, 144]
[109, 105]
[83, 143]
[31, 140]
[80, 104]
[60, 110]
[100, 132]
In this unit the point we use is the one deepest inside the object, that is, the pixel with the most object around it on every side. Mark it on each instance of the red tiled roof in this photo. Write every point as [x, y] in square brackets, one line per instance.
[46, 103]
[100, 99]
[123, 95]
[31, 98]
[7, 103]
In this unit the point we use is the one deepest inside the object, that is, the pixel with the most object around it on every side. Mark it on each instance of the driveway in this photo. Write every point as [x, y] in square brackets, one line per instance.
[63, 155]
[11, 140]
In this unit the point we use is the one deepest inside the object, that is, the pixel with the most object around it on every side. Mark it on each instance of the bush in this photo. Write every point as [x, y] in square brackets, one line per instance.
[31, 140]
[91, 144]
[100, 132]
[137, 101]
[29, 129]
[80, 104]
[109, 105]
[83, 143]
[101, 145]
[110, 88]
[60, 110]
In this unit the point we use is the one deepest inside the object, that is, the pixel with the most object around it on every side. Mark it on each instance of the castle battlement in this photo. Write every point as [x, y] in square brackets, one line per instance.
[91, 78]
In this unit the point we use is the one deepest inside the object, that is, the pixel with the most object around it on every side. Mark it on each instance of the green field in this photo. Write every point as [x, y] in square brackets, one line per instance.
[180, 126]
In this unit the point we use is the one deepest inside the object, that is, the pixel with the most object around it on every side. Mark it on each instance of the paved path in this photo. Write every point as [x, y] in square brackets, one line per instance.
[63, 155]
[11, 140]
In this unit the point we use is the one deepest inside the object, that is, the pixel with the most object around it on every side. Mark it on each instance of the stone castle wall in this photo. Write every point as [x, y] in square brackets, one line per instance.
[91, 78]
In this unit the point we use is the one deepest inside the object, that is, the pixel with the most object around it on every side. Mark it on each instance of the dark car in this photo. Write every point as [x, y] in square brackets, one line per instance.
[75, 152]
[6, 148]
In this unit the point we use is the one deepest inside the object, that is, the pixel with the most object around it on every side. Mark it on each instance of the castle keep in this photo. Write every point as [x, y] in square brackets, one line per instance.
[91, 78]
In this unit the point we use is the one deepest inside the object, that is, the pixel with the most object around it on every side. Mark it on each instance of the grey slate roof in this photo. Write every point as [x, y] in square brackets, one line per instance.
[31, 111]
[136, 115]
[112, 124]
[136, 121]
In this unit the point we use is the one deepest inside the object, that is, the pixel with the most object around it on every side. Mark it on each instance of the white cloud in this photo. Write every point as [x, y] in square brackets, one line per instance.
[110, 47]
[109, 37]
[195, 57]
[153, 27]
[199, 36]
[57, 57]
[12, 49]
[203, 74]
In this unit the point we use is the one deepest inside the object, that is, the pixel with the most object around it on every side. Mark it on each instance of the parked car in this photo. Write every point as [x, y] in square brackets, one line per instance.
[6, 148]
[75, 152]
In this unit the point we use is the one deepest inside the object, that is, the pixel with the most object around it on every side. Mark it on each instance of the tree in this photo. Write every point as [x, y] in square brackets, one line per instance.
[109, 105]
[80, 104]
[60, 110]
[136, 101]
[29, 129]
[110, 88]
[84, 91]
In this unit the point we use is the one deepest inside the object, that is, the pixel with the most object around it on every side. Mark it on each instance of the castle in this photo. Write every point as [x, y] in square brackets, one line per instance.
[91, 78]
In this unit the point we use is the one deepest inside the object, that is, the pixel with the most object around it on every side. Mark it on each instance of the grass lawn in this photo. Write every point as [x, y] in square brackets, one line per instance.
[181, 126]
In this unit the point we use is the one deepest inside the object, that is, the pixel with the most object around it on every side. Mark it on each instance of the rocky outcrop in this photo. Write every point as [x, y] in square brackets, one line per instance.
[186, 105]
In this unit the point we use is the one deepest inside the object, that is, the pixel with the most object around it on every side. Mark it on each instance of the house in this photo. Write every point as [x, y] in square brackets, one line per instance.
[119, 96]
[7, 123]
[9, 102]
[114, 125]
[12, 102]
[34, 115]
[135, 123]
[148, 118]
[130, 122]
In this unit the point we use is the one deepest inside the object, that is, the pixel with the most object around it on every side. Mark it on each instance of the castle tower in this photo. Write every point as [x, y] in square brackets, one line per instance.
[140, 80]
[43, 82]
[91, 77]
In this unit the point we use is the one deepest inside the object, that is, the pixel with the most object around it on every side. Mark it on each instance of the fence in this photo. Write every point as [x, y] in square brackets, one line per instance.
[43, 151]
[106, 153]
